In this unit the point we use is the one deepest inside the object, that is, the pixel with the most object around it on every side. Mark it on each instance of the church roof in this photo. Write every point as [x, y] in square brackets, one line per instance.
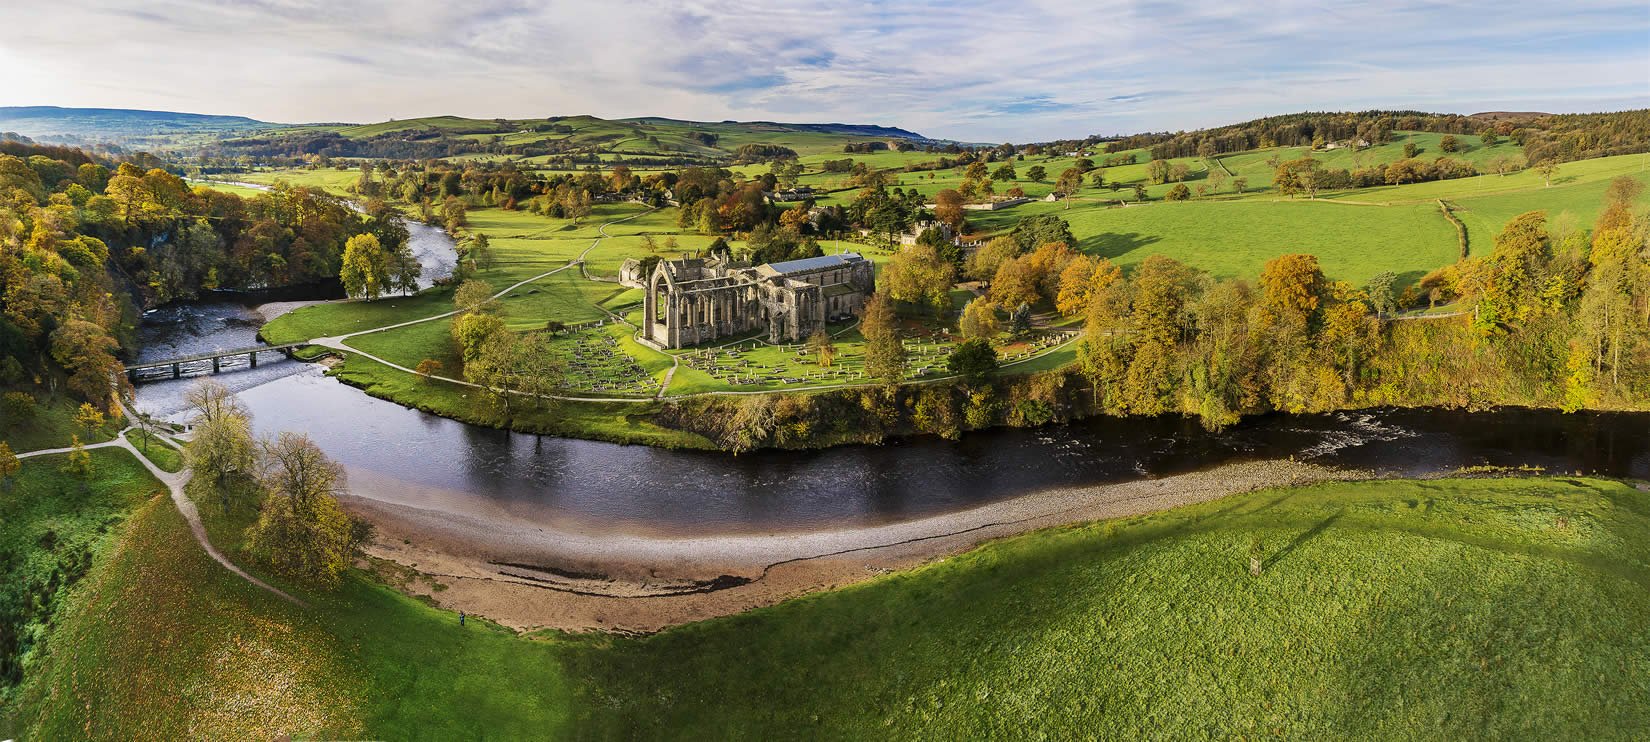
[806, 265]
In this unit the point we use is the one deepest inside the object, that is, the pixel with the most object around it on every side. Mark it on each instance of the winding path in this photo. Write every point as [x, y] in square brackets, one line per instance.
[186, 507]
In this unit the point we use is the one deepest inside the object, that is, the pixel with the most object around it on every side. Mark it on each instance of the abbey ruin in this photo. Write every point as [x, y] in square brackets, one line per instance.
[697, 300]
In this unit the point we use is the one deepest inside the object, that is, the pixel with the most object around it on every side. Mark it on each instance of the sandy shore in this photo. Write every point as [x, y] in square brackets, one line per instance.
[529, 576]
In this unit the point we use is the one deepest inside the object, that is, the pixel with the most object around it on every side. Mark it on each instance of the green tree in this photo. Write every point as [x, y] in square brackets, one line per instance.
[1036, 173]
[1178, 193]
[1004, 172]
[365, 268]
[1037, 230]
[973, 359]
[884, 350]
[1383, 292]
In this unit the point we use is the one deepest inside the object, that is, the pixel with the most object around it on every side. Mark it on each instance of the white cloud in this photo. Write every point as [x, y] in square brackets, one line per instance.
[974, 70]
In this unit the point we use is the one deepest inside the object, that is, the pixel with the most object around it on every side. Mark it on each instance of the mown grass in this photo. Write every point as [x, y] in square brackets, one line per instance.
[1236, 238]
[159, 452]
[1403, 609]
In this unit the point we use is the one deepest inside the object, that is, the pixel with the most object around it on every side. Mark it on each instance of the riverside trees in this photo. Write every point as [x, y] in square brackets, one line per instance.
[300, 530]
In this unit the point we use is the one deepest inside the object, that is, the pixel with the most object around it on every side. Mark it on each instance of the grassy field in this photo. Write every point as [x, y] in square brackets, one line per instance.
[1451, 608]
[53, 526]
[50, 426]
[1236, 238]
[158, 452]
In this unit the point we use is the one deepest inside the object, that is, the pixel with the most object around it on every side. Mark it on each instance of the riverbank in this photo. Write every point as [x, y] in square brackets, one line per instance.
[529, 575]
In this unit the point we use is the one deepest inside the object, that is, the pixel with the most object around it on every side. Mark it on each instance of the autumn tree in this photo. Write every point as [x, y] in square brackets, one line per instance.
[427, 368]
[78, 462]
[87, 352]
[473, 296]
[1157, 171]
[919, 275]
[1547, 170]
[884, 350]
[365, 268]
[1300, 176]
[9, 465]
[1079, 282]
[1293, 286]
[471, 330]
[222, 454]
[983, 263]
[1016, 282]
[824, 350]
[1449, 143]
[301, 532]
[979, 319]
[948, 208]
[89, 419]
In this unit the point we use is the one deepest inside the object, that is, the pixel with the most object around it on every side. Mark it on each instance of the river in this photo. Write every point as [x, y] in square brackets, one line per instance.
[405, 457]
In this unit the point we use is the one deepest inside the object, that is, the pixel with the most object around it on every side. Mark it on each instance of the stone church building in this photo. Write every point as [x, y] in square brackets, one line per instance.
[697, 300]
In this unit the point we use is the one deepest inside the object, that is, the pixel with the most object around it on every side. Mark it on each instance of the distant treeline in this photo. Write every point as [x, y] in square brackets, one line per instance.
[1555, 138]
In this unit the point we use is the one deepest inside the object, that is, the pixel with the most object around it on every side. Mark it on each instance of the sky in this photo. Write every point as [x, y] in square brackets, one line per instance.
[1011, 70]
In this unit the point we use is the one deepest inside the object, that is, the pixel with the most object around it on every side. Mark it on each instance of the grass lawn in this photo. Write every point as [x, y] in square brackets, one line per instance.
[1236, 238]
[51, 426]
[596, 420]
[159, 453]
[1449, 608]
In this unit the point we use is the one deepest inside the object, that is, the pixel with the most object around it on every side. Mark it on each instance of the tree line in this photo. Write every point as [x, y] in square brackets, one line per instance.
[84, 247]
[1554, 315]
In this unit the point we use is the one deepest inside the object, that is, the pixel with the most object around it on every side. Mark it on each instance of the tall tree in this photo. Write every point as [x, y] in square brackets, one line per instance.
[301, 531]
[884, 350]
[365, 270]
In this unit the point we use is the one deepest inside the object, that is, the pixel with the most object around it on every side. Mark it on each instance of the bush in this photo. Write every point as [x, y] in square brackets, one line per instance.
[17, 405]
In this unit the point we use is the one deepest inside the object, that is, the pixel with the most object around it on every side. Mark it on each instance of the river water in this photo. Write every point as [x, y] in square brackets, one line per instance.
[407, 457]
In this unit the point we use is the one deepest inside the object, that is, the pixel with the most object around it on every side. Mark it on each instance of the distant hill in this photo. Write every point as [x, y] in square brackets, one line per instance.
[117, 124]
[859, 130]
[1508, 115]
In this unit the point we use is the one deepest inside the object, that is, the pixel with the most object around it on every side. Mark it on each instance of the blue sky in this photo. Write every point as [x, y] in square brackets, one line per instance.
[977, 71]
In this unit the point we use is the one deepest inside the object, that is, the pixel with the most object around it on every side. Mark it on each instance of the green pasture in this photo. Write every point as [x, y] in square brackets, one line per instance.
[1485, 608]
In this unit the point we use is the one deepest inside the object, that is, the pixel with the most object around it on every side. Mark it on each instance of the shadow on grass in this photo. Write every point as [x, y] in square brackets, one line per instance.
[1305, 536]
